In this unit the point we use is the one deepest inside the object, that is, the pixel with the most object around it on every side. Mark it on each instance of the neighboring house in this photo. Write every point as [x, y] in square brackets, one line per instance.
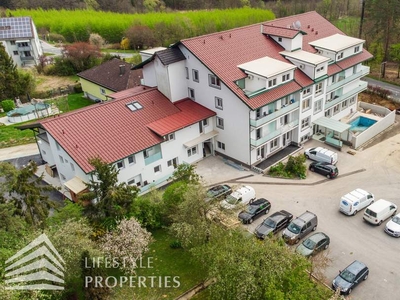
[21, 41]
[112, 76]
[244, 94]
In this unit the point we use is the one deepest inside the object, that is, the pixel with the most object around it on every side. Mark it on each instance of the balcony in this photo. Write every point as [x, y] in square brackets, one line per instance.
[152, 158]
[274, 134]
[364, 70]
[27, 58]
[361, 87]
[24, 48]
[283, 111]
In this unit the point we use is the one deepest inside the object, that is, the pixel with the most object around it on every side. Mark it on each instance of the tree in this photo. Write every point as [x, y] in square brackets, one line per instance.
[395, 56]
[186, 173]
[140, 36]
[113, 199]
[127, 243]
[82, 55]
[26, 192]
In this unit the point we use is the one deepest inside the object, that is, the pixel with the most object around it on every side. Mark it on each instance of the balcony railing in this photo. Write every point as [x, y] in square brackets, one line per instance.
[152, 158]
[274, 133]
[26, 58]
[364, 70]
[274, 115]
[361, 87]
[24, 48]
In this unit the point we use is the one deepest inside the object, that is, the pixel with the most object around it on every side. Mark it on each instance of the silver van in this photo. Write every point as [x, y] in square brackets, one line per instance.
[300, 227]
[322, 155]
[379, 211]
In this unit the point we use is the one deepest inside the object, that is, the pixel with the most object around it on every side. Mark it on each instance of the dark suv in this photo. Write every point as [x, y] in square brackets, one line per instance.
[254, 210]
[325, 169]
[350, 277]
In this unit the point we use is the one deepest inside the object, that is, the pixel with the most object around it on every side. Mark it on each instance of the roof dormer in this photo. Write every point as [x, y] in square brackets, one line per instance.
[290, 38]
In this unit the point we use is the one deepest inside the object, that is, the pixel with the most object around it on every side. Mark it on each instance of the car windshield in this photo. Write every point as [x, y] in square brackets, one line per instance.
[294, 228]
[348, 276]
[231, 200]
[270, 223]
[214, 191]
[309, 244]
[396, 220]
[251, 209]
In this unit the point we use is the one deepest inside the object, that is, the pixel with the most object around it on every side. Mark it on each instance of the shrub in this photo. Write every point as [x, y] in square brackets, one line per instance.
[295, 167]
[97, 40]
[55, 37]
[7, 105]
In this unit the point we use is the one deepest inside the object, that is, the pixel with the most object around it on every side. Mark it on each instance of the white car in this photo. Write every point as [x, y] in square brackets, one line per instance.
[241, 196]
[393, 226]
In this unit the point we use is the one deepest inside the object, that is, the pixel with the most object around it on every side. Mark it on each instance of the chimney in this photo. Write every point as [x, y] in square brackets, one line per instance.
[121, 70]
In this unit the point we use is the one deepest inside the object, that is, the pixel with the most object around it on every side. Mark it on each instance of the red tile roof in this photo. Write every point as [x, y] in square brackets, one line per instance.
[355, 59]
[222, 52]
[191, 112]
[279, 31]
[112, 131]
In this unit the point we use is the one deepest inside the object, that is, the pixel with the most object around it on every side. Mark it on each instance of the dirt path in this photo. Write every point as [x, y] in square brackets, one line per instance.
[45, 83]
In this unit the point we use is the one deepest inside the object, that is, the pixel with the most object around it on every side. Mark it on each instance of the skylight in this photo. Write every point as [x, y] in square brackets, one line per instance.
[134, 106]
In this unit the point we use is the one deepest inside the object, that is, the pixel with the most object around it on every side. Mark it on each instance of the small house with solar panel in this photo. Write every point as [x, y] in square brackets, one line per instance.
[20, 39]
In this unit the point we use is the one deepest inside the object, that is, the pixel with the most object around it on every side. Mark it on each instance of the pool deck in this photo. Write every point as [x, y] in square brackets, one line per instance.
[357, 114]
[5, 121]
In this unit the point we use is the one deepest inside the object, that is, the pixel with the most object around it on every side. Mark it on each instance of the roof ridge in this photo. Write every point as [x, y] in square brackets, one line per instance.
[281, 27]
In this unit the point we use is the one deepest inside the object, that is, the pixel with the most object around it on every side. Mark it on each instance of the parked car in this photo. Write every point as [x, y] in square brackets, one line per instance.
[379, 211]
[355, 201]
[273, 223]
[300, 227]
[324, 168]
[218, 192]
[393, 226]
[321, 155]
[313, 244]
[242, 196]
[254, 210]
[350, 277]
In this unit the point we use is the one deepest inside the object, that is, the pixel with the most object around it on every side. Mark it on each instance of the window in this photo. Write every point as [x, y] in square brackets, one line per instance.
[336, 109]
[352, 100]
[102, 91]
[61, 159]
[12, 43]
[340, 56]
[131, 182]
[146, 153]
[195, 75]
[173, 162]
[27, 53]
[272, 82]
[214, 81]
[344, 104]
[318, 88]
[192, 151]
[285, 77]
[220, 123]
[187, 72]
[356, 49]
[328, 113]
[157, 169]
[131, 159]
[191, 93]
[304, 138]
[221, 145]
[320, 69]
[305, 123]
[15, 52]
[317, 106]
[354, 69]
[72, 166]
[274, 143]
[205, 122]
[279, 39]
[306, 91]
[306, 104]
[120, 165]
[333, 78]
[170, 137]
[134, 106]
[218, 103]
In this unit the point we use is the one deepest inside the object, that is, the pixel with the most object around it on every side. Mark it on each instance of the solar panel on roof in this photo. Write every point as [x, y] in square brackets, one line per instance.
[15, 28]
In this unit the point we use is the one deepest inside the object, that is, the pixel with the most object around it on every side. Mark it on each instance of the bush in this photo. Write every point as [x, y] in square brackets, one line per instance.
[176, 245]
[377, 90]
[7, 105]
[55, 37]
[78, 88]
[294, 168]
[97, 40]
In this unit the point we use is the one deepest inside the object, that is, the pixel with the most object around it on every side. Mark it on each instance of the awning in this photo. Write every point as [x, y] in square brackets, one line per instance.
[75, 185]
[332, 124]
[200, 139]
[22, 41]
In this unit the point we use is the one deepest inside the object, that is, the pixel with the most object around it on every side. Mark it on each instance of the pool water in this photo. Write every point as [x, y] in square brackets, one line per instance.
[361, 123]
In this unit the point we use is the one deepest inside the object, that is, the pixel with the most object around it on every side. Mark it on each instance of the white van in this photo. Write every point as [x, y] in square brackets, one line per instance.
[242, 196]
[379, 211]
[322, 155]
[355, 201]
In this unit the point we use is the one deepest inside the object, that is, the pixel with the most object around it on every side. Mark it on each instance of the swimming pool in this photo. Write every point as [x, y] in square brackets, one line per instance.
[360, 124]
[29, 112]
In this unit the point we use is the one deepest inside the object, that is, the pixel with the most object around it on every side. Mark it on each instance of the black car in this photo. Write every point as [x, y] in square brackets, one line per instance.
[325, 169]
[350, 277]
[254, 210]
[273, 223]
[218, 192]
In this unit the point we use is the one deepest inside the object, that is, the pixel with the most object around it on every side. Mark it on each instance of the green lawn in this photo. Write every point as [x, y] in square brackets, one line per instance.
[11, 136]
[166, 262]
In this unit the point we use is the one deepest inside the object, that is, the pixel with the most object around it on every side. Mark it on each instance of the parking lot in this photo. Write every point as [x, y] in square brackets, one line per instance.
[376, 169]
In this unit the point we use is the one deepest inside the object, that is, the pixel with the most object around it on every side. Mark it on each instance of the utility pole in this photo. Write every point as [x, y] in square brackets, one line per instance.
[362, 17]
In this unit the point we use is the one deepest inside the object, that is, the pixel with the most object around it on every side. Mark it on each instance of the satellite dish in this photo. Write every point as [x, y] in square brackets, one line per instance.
[297, 24]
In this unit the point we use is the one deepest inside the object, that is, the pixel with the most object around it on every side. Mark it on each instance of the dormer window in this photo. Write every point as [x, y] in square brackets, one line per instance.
[320, 69]
[279, 39]
[271, 83]
[340, 56]
[357, 49]
[285, 77]
[134, 106]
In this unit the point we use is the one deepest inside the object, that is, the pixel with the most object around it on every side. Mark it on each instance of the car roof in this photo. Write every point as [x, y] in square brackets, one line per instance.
[277, 216]
[259, 201]
[316, 237]
[356, 266]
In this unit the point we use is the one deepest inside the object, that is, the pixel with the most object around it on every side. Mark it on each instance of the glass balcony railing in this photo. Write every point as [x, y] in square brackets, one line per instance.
[274, 134]
[269, 117]
[361, 87]
[152, 158]
[364, 70]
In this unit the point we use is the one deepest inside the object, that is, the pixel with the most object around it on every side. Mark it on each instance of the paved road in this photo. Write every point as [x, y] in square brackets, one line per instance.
[393, 88]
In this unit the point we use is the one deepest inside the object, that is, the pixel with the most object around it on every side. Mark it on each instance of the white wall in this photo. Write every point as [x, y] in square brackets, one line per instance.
[162, 78]
[290, 44]
[177, 75]
[149, 74]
